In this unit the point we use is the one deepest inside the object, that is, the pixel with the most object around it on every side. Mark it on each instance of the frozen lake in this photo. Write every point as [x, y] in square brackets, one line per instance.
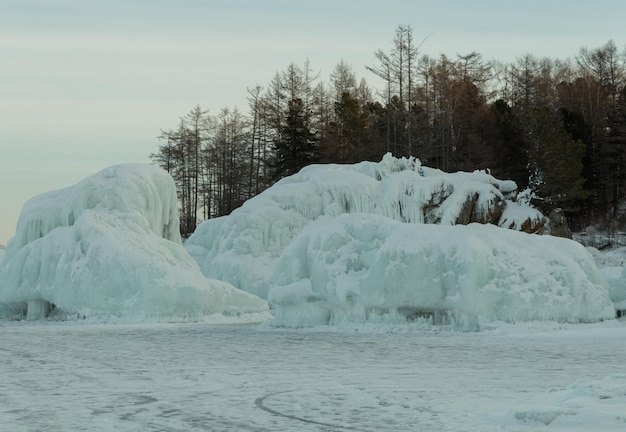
[204, 377]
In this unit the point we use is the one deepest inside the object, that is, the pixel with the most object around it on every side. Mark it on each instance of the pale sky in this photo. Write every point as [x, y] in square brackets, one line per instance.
[85, 84]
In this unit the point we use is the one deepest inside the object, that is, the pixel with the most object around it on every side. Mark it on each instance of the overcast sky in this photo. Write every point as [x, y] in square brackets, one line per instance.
[85, 84]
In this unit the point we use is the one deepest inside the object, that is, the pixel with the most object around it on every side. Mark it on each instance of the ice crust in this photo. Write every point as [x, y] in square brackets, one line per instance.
[364, 267]
[598, 405]
[243, 248]
[110, 245]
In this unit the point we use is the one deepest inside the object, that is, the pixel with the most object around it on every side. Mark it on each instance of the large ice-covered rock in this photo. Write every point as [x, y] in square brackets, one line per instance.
[110, 245]
[362, 267]
[242, 248]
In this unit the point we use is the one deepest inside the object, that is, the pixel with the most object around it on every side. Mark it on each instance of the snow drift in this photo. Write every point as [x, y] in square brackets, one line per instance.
[110, 245]
[243, 248]
[366, 268]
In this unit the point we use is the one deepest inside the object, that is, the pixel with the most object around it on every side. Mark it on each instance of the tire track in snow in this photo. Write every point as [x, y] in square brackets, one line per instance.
[260, 403]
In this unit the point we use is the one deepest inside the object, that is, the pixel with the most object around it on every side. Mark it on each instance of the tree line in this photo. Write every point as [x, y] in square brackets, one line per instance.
[556, 127]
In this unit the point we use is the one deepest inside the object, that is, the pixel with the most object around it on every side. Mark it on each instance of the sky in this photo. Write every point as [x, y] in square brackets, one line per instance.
[86, 84]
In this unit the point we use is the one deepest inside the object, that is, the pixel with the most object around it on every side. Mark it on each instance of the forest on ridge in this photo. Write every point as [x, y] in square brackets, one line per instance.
[556, 127]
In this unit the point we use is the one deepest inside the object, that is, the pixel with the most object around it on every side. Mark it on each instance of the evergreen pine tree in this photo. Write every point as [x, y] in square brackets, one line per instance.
[555, 162]
[297, 146]
[512, 158]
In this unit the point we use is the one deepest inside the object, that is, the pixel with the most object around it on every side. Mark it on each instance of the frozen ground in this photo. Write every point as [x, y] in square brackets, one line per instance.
[82, 376]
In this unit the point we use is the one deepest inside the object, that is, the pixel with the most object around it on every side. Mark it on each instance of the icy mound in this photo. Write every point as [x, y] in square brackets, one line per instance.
[110, 245]
[368, 268]
[242, 248]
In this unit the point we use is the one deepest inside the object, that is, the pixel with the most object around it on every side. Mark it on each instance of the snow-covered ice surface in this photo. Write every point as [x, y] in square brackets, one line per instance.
[110, 245]
[85, 376]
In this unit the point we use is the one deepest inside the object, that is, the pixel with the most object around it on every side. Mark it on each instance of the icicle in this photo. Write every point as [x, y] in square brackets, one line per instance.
[37, 309]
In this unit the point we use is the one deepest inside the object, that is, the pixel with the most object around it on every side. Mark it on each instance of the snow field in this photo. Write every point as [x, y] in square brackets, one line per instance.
[537, 376]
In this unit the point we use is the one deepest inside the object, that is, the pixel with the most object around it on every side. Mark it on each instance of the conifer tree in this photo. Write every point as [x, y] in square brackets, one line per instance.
[297, 146]
[555, 162]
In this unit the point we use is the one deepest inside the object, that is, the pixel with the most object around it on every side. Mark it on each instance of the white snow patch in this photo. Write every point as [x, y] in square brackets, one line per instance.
[364, 267]
[110, 245]
[599, 404]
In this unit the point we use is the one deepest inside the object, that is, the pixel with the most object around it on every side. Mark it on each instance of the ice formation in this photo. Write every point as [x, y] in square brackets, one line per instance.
[616, 278]
[243, 248]
[364, 267]
[612, 266]
[110, 245]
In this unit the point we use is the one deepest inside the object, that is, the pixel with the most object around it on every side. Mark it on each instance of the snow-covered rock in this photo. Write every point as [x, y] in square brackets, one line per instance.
[520, 217]
[110, 245]
[364, 267]
[242, 248]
